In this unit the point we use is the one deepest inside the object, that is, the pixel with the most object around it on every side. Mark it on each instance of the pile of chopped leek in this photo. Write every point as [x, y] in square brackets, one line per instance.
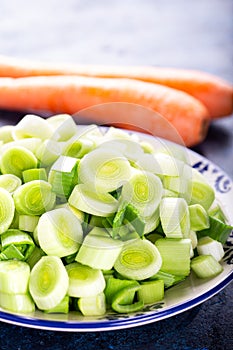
[95, 219]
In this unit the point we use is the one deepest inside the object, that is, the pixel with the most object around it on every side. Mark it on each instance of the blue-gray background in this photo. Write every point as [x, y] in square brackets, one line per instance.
[180, 33]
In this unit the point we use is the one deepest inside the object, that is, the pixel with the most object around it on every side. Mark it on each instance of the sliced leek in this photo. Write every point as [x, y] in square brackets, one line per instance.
[199, 218]
[59, 232]
[92, 306]
[151, 291]
[28, 222]
[63, 176]
[84, 281]
[174, 216]
[202, 193]
[105, 170]
[63, 127]
[34, 174]
[32, 126]
[18, 303]
[206, 266]
[49, 282]
[21, 240]
[144, 191]
[99, 252]
[17, 159]
[138, 260]
[14, 277]
[7, 210]
[209, 246]
[10, 182]
[34, 198]
[175, 255]
[85, 199]
[118, 298]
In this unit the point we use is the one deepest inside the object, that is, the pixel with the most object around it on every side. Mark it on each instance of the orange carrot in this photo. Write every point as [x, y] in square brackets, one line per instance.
[215, 93]
[70, 94]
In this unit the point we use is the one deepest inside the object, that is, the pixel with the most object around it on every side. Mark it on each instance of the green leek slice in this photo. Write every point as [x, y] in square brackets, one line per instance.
[61, 308]
[175, 255]
[7, 210]
[84, 281]
[120, 296]
[49, 282]
[138, 260]
[151, 291]
[20, 240]
[114, 285]
[28, 222]
[63, 176]
[34, 174]
[34, 198]
[59, 232]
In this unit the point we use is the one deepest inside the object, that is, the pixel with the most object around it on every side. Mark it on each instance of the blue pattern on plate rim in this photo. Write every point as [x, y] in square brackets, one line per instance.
[222, 183]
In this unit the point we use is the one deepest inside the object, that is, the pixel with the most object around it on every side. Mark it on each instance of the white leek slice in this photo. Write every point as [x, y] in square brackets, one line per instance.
[14, 277]
[144, 191]
[105, 170]
[138, 260]
[85, 199]
[31, 144]
[93, 306]
[7, 210]
[99, 252]
[128, 148]
[48, 152]
[174, 216]
[208, 246]
[17, 159]
[34, 198]
[49, 282]
[5, 133]
[161, 164]
[152, 222]
[18, 303]
[32, 126]
[59, 232]
[84, 281]
[63, 126]
[199, 218]
[206, 266]
[202, 192]
[10, 182]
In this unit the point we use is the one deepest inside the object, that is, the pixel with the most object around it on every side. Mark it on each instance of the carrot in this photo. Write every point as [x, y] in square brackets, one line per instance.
[71, 94]
[215, 93]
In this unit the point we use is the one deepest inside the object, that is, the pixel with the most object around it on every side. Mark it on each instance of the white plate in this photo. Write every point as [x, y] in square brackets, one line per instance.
[178, 299]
